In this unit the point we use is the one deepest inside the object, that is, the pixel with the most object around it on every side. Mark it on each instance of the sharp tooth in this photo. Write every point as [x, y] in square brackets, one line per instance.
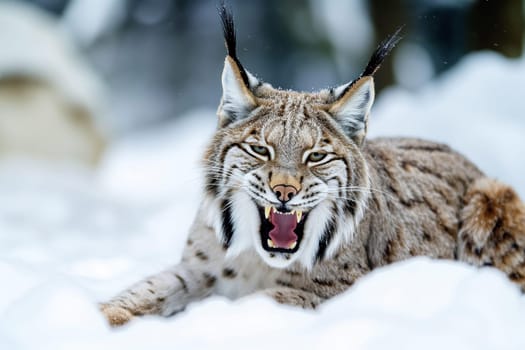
[267, 212]
[299, 215]
[270, 243]
[292, 246]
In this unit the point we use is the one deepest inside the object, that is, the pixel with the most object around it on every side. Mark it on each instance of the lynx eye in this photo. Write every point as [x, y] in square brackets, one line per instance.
[316, 156]
[261, 150]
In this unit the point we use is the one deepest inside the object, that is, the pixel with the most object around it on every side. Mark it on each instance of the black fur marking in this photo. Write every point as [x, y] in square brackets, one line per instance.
[209, 280]
[331, 160]
[182, 282]
[304, 203]
[229, 173]
[326, 238]
[228, 28]
[284, 283]
[478, 252]
[312, 185]
[201, 255]
[244, 150]
[259, 188]
[346, 281]
[312, 194]
[351, 207]
[212, 183]
[229, 273]
[293, 273]
[257, 194]
[212, 176]
[515, 276]
[323, 282]
[227, 223]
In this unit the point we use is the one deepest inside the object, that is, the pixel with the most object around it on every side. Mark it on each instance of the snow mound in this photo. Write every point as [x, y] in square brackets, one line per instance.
[458, 307]
[26, 30]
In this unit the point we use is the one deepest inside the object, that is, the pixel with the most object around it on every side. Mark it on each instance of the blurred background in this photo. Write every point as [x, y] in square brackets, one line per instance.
[132, 64]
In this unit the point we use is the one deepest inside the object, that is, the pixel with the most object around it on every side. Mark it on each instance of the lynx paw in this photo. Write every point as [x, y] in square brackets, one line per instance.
[294, 297]
[116, 315]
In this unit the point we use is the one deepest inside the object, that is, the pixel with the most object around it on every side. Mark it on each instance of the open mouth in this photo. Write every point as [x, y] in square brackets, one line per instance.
[281, 231]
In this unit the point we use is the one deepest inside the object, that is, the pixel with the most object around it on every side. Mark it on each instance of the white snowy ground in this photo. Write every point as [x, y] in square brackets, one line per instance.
[69, 239]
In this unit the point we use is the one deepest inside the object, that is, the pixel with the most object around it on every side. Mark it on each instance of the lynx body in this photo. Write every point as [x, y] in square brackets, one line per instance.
[298, 204]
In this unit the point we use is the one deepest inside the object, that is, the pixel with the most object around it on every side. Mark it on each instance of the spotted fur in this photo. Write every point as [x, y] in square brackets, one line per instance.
[364, 203]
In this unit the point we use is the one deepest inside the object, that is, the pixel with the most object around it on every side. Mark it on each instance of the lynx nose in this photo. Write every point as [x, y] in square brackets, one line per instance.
[284, 192]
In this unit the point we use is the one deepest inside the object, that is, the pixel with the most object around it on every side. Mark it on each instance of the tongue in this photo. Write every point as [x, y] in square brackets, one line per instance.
[282, 234]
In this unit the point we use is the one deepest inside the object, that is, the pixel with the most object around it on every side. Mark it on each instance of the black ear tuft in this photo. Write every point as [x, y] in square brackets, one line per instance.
[230, 39]
[381, 52]
[228, 29]
[377, 58]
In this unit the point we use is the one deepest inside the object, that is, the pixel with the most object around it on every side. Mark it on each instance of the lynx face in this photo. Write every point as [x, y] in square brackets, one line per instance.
[285, 168]
[284, 173]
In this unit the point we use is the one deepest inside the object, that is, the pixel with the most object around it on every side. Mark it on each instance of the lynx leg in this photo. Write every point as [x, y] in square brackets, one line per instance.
[295, 297]
[162, 294]
[493, 229]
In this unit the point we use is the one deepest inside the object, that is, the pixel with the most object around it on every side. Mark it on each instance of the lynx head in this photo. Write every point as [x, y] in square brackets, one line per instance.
[284, 173]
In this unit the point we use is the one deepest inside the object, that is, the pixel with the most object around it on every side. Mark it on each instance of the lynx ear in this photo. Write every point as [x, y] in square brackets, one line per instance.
[353, 101]
[352, 107]
[238, 99]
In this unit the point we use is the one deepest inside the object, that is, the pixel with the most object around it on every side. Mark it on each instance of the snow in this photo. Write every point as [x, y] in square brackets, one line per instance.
[26, 30]
[70, 238]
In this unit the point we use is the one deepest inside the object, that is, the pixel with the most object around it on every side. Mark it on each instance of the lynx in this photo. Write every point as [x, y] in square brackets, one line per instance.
[298, 204]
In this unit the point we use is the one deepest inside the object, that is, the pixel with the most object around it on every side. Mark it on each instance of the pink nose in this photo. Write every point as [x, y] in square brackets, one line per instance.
[284, 192]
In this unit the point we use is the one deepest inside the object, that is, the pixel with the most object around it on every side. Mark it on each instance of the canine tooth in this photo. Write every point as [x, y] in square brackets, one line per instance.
[270, 243]
[267, 211]
[293, 245]
[299, 215]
